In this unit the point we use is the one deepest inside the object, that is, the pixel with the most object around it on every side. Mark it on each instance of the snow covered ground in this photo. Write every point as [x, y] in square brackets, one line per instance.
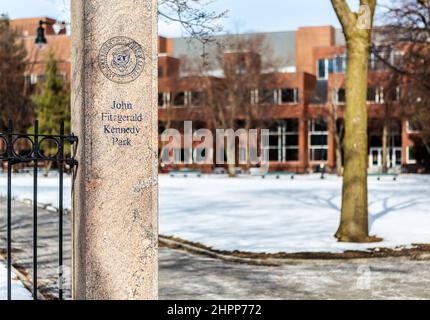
[252, 214]
[300, 215]
[19, 292]
[22, 188]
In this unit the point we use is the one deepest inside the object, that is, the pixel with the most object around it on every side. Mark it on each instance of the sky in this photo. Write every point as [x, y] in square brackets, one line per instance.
[242, 16]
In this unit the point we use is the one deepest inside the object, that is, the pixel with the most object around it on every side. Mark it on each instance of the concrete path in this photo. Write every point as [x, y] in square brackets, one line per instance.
[188, 276]
[185, 276]
[22, 244]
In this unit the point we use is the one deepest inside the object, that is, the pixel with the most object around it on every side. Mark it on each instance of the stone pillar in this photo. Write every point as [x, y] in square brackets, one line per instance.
[114, 114]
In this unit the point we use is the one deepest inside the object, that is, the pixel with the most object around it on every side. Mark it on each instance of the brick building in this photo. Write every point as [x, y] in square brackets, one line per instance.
[297, 98]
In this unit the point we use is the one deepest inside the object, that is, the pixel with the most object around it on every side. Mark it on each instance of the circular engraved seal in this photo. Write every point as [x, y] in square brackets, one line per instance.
[121, 60]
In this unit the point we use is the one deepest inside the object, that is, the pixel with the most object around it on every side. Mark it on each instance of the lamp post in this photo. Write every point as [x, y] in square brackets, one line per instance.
[41, 40]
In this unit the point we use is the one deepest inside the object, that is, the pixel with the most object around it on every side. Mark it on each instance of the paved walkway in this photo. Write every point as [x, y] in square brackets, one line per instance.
[187, 276]
[22, 244]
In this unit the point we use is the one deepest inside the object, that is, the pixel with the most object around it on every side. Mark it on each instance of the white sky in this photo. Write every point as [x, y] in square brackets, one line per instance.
[243, 16]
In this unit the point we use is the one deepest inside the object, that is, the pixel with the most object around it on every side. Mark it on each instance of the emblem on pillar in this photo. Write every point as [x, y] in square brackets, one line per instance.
[121, 60]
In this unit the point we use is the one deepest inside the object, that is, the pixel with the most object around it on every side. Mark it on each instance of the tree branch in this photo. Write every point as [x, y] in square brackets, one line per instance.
[346, 17]
[194, 17]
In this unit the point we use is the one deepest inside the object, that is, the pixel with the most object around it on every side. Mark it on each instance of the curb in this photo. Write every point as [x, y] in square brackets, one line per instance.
[416, 252]
[177, 245]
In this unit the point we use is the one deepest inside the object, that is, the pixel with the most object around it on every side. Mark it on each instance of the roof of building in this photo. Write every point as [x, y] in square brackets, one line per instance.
[28, 27]
[282, 44]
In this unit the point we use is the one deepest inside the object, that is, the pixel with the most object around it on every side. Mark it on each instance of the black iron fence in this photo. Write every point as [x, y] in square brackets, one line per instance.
[22, 148]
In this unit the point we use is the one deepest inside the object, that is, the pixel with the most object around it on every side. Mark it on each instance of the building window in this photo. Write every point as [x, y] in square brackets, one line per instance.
[331, 64]
[328, 66]
[179, 99]
[411, 155]
[318, 140]
[284, 141]
[33, 78]
[371, 95]
[254, 96]
[160, 100]
[412, 127]
[266, 96]
[160, 72]
[287, 96]
[375, 95]
[322, 69]
[163, 99]
[340, 63]
[340, 97]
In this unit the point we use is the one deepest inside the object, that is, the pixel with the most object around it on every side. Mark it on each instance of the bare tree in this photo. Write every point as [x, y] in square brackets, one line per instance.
[357, 28]
[407, 32]
[199, 22]
[337, 128]
[232, 100]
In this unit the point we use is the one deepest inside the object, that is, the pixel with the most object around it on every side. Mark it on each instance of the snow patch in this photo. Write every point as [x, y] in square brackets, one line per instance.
[19, 292]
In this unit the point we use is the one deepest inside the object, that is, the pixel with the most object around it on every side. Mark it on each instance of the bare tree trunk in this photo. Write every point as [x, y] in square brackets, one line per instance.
[339, 166]
[385, 147]
[354, 220]
[354, 225]
[337, 136]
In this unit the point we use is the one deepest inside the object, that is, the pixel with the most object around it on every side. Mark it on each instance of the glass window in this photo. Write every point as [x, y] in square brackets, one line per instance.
[292, 139]
[340, 63]
[398, 154]
[412, 155]
[179, 99]
[318, 126]
[341, 95]
[371, 95]
[375, 141]
[289, 95]
[322, 74]
[266, 96]
[292, 154]
[319, 154]
[331, 64]
[318, 140]
[274, 140]
[412, 126]
[284, 141]
[274, 155]
[161, 99]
